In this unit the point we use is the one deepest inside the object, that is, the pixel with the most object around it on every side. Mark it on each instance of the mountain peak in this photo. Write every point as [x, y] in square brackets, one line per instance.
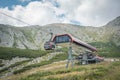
[115, 22]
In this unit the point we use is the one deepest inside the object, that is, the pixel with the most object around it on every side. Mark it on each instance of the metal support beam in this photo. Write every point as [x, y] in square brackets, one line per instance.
[70, 57]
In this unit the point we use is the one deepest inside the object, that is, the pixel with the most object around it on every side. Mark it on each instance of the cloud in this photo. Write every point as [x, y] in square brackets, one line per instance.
[91, 13]
[35, 13]
[84, 12]
[24, 0]
[97, 13]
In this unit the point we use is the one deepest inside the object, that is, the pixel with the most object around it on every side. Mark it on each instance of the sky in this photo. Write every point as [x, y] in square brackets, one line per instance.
[42, 12]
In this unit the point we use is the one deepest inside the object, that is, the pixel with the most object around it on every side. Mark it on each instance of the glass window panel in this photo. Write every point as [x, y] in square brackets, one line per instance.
[62, 39]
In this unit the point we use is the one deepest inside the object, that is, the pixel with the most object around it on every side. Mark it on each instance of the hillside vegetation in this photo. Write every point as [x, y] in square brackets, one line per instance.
[79, 72]
[100, 71]
[108, 49]
[9, 53]
[57, 71]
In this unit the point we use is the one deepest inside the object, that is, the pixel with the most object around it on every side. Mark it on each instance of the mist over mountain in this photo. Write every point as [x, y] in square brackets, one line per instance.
[33, 37]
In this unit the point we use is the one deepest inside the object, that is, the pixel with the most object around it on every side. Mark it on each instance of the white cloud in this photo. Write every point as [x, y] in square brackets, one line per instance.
[24, 0]
[35, 13]
[92, 13]
[97, 13]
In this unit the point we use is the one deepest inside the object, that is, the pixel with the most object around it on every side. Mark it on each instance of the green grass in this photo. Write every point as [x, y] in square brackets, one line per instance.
[58, 57]
[19, 63]
[13, 65]
[104, 49]
[4, 69]
[9, 53]
[1, 63]
[107, 49]
[92, 72]
[47, 73]
[100, 72]
[29, 35]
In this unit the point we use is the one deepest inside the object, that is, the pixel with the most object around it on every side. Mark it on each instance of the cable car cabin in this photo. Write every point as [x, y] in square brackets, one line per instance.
[57, 39]
[49, 45]
[65, 38]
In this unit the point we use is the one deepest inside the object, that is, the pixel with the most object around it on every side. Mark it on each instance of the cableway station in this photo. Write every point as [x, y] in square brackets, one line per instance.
[85, 58]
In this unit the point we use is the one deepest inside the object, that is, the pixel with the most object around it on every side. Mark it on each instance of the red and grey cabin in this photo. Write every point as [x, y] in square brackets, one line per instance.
[64, 38]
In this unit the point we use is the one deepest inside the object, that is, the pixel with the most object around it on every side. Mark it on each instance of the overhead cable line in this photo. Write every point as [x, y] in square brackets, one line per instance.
[14, 18]
[22, 21]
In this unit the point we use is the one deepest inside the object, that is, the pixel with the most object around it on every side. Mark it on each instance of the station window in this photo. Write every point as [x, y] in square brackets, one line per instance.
[62, 39]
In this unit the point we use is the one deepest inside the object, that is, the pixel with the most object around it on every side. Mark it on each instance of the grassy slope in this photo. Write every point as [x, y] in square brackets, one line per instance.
[58, 57]
[91, 72]
[104, 49]
[107, 49]
[9, 53]
[57, 71]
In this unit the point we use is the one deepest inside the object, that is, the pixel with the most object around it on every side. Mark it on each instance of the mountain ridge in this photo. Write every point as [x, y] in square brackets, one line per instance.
[33, 37]
[115, 22]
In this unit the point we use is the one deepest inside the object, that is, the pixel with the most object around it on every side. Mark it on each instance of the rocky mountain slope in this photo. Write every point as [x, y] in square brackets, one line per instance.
[33, 37]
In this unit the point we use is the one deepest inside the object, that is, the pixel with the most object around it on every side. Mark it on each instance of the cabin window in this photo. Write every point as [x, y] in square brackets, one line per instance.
[62, 39]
